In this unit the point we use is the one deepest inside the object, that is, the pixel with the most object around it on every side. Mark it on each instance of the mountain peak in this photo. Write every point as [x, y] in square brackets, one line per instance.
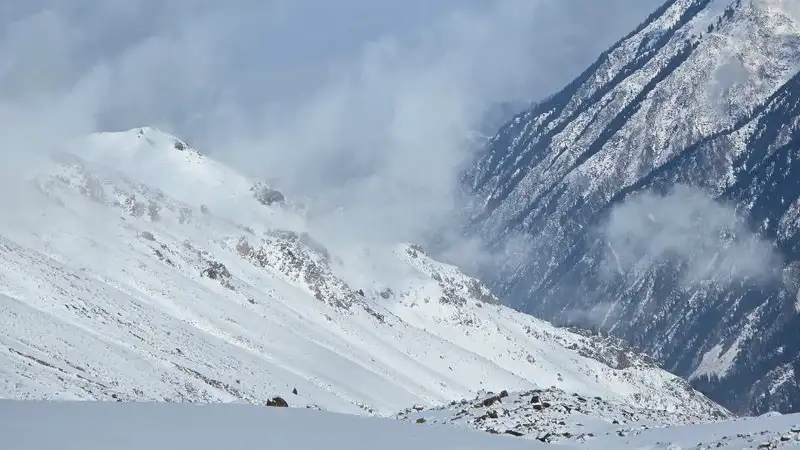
[145, 145]
[157, 158]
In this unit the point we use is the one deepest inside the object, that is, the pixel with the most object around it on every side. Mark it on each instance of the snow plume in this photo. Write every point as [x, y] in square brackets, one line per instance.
[378, 146]
[688, 227]
[595, 316]
[370, 124]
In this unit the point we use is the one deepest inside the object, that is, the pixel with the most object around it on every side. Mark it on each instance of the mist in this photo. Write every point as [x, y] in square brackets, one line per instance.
[365, 112]
[690, 228]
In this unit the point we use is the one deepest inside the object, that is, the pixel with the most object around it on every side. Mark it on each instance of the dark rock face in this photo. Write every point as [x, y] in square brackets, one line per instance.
[489, 401]
[657, 198]
[277, 402]
[216, 270]
[180, 145]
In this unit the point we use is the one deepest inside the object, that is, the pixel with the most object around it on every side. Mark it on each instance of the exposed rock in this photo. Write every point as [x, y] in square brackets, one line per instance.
[301, 258]
[491, 400]
[558, 418]
[180, 145]
[267, 195]
[277, 402]
[217, 271]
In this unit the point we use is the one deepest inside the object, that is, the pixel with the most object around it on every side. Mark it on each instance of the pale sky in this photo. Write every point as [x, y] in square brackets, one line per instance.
[171, 60]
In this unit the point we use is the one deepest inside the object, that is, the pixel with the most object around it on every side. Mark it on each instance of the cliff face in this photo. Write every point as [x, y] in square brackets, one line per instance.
[656, 197]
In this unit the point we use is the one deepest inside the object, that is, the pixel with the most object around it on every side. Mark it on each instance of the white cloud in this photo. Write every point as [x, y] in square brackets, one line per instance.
[365, 110]
[688, 227]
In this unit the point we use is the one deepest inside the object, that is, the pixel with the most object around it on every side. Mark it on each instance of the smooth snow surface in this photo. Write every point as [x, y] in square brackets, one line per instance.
[163, 426]
[132, 426]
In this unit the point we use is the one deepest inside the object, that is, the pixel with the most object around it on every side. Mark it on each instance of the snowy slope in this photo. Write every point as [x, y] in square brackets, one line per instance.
[702, 94]
[135, 268]
[103, 425]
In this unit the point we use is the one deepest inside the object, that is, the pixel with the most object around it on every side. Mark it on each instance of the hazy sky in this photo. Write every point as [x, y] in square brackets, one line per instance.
[364, 103]
[175, 61]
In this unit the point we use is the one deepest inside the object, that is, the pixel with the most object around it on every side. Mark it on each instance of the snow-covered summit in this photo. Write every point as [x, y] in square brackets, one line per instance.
[141, 269]
[151, 152]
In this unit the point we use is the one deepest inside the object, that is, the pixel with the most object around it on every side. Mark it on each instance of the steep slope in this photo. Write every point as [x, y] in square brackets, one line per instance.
[135, 268]
[607, 187]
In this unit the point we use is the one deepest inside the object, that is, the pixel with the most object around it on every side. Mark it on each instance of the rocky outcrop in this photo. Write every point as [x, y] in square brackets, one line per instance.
[553, 415]
[278, 402]
[267, 195]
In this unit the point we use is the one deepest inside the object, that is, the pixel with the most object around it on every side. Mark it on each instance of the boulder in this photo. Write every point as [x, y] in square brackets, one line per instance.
[277, 402]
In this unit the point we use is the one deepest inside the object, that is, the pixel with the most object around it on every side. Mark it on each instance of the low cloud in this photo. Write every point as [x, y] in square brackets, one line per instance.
[687, 227]
[366, 113]
[595, 316]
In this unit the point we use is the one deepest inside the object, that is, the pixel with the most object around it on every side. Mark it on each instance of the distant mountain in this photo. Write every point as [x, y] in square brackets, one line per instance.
[134, 268]
[657, 197]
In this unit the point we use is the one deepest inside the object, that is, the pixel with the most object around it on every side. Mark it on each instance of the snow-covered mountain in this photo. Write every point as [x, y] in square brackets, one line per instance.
[656, 198]
[134, 268]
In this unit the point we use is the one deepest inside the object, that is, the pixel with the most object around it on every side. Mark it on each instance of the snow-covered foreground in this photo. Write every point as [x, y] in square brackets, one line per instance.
[172, 426]
[134, 268]
[154, 426]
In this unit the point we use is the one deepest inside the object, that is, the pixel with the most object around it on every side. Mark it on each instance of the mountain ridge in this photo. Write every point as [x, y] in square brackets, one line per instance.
[142, 270]
[653, 124]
